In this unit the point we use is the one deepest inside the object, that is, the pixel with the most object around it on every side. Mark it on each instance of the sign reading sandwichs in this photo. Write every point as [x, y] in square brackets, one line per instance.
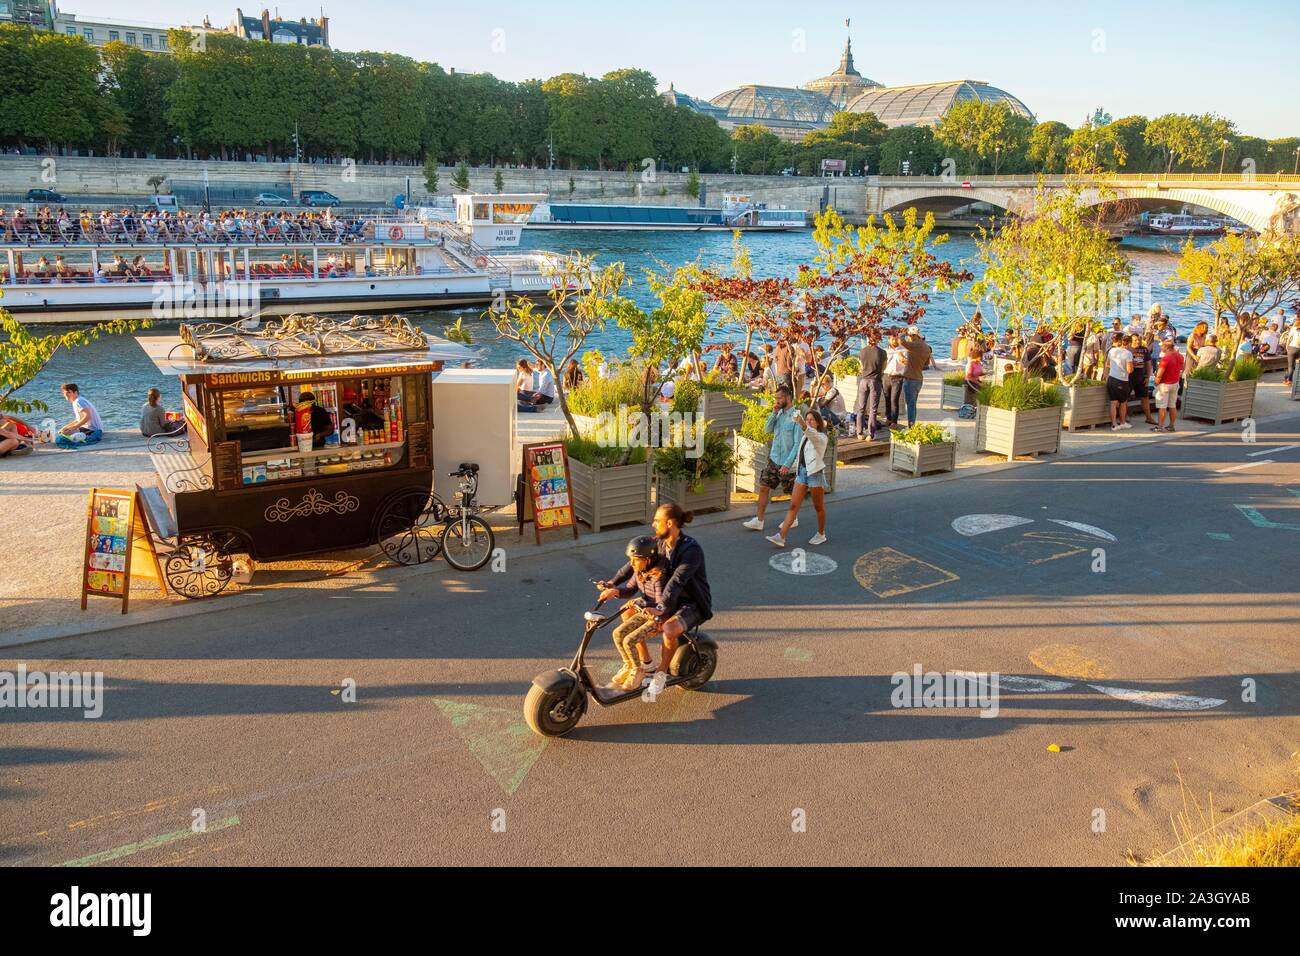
[270, 376]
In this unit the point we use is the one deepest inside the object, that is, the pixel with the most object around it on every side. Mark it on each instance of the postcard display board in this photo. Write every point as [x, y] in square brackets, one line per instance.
[118, 546]
[548, 500]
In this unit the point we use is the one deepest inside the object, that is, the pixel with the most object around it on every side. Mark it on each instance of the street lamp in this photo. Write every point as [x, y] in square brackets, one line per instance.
[997, 156]
[1295, 170]
[1222, 156]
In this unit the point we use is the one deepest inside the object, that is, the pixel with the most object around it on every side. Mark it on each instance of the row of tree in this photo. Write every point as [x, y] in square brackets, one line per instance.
[230, 98]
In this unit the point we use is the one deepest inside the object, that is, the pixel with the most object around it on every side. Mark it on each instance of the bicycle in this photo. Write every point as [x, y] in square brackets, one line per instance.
[408, 535]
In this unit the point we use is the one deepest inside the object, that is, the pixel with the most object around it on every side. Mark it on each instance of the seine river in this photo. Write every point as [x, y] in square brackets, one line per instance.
[114, 373]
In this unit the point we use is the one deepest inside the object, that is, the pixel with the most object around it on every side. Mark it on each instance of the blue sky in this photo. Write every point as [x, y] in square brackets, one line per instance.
[1236, 59]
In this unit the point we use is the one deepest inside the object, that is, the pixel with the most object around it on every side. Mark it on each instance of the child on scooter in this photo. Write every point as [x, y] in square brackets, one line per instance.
[646, 586]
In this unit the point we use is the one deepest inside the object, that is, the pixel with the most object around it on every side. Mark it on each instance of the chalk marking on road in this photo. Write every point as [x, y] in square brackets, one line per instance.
[1249, 464]
[1218, 536]
[1269, 451]
[1085, 528]
[497, 738]
[798, 654]
[1259, 521]
[888, 573]
[1068, 660]
[1033, 685]
[971, 525]
[811, 561]
[1036, 539]
[1160, 699]
[162, 839]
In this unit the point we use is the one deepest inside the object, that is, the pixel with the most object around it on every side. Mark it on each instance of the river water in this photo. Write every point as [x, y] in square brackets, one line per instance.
[114, 372]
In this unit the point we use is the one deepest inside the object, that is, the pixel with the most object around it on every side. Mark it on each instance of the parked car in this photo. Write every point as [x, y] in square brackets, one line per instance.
[44, 196]
[270, 199]
[317, 197]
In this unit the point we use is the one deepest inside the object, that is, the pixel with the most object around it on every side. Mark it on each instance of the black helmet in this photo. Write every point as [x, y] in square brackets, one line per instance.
[643, 546]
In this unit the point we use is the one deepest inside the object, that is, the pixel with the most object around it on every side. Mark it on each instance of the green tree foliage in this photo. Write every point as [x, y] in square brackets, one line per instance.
[759, 151]
[912, 144]
[1048, 147]
[430, 174]
[1191, 142]
[852, 137]
[460, 178]
[987, 136]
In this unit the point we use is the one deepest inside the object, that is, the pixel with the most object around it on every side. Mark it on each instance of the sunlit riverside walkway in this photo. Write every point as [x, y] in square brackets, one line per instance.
[45, 492]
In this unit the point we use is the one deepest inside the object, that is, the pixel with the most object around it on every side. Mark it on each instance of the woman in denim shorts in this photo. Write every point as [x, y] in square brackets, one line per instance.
[810, 477]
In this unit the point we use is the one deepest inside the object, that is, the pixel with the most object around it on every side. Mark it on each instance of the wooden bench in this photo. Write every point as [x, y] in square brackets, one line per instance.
[177, 468]
[852, 449]
[1273, 363]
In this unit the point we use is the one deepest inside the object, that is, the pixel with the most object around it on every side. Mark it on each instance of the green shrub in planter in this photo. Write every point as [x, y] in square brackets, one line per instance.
[1247, 369]
[586, 449]
[955, 378]
[923, 433]
[715, 460]
[1020, 393]
[596, 395]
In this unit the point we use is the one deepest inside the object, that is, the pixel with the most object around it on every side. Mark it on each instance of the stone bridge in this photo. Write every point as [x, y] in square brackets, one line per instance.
[1265, 202]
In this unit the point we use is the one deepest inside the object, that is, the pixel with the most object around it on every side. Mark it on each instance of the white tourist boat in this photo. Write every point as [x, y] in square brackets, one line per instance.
[737, 212]
[384, 265]
[1172, 224]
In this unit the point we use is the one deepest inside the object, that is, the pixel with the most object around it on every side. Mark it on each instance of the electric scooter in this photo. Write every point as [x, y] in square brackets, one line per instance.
[558, 698]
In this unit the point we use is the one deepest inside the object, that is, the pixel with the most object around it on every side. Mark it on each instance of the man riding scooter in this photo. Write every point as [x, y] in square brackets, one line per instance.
[687, 601]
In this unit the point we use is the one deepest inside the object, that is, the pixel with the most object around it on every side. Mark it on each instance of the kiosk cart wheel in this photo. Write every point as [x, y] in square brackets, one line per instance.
[200, 566]
[467, 542]
[408, 527]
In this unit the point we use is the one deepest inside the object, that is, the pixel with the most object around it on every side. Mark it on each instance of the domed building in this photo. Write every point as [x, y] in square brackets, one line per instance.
[793, 112]
[924, 104]
[845, 83]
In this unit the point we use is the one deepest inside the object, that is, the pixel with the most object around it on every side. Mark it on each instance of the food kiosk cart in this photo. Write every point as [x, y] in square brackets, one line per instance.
[247, 477]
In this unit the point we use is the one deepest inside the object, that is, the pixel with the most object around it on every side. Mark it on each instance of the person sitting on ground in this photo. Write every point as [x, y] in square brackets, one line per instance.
[153, 417]
[829, 402]
[16, 437]
[573, 374]
[726, 365]
[87, 428]
[544, 395]
[646, 588]
[1270, 341]
[523, 380]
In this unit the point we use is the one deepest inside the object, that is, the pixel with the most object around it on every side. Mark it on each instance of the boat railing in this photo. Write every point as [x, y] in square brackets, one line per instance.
[481, 256]
[214, 233]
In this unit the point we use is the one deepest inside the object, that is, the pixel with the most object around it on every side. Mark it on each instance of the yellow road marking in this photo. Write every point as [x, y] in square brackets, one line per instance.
[888, 573]
[1069, 660]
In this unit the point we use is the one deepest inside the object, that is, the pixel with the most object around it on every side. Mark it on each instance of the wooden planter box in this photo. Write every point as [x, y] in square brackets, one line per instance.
[1295, 389]
[953, 396]
[848, 388]
[723, 414]
[714, 495]
[751, 459]
[607, 496]
[916, 459]
[1014, 433]
[1218, 402]
[1086, 405]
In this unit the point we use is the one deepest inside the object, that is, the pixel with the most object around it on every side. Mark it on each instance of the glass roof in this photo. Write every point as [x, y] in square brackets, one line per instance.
[775, 102]
[925, 104]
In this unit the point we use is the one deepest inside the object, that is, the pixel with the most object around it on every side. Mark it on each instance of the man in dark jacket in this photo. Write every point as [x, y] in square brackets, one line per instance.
[687, 600]
[872, 359]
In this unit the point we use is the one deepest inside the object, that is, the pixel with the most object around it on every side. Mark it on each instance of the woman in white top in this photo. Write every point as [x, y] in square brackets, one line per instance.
[1291, 342]
[810, 476]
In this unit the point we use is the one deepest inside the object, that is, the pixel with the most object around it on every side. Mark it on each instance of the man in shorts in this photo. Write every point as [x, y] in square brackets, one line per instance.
[1119, 369]
[1168, 375]
[779, 472]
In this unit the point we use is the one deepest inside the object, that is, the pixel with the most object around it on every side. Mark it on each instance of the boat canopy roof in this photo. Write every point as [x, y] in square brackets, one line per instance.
[300, 346]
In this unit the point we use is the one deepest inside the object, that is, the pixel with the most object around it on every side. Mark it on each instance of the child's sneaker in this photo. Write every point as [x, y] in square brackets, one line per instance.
[818, 538]
[638, 676]
[655, 688]
[618, 679]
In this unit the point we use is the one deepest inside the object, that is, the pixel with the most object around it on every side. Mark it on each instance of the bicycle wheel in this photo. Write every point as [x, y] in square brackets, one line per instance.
[467, 542]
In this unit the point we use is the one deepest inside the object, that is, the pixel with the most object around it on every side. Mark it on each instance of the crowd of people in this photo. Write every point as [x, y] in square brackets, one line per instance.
[131, 226]
[19, 437]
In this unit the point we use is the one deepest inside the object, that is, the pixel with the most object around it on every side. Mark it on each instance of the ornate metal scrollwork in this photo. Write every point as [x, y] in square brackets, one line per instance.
[313, 503]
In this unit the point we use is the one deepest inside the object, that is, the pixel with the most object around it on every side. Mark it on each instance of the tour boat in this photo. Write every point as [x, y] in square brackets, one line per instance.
[737, 212]
[388, 264]
[1169, 224]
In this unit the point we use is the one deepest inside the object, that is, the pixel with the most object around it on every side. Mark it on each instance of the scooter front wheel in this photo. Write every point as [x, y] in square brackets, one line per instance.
[548, 713]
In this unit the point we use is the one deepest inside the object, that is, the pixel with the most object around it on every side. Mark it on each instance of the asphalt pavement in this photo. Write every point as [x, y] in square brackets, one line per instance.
[1140, 608]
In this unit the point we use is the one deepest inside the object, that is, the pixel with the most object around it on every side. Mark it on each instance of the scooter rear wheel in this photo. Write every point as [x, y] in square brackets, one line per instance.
[696, 666]
[547, 713]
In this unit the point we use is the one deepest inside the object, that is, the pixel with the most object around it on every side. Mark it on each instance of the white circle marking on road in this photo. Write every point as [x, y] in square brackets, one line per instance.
[971, 525]
[1086, 529]
[807, 562]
